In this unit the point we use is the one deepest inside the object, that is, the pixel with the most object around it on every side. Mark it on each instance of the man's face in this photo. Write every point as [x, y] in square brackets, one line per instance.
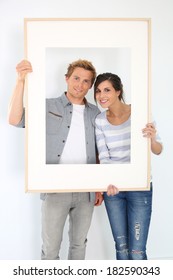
[78, 85]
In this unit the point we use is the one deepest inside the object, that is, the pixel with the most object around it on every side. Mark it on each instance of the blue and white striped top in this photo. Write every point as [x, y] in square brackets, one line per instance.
[113, 141]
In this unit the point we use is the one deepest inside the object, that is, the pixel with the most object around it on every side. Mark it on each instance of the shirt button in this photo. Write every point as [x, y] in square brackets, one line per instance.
[63, 141]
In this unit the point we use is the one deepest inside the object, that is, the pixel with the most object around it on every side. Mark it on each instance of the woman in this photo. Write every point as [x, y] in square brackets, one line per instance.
[129, 212]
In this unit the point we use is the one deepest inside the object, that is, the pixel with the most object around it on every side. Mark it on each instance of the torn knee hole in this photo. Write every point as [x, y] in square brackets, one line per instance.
[137, 252]
[121, 236]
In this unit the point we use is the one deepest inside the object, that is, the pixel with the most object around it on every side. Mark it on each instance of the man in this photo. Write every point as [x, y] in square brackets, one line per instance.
[70, 138]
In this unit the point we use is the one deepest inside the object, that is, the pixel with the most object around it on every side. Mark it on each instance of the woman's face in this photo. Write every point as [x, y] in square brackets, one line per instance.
[106, 95]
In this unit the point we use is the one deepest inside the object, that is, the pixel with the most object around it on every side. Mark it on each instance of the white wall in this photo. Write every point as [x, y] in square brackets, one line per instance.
[20, 236]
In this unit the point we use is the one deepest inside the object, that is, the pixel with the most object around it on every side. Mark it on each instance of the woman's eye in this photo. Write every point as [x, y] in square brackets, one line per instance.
[107, 90]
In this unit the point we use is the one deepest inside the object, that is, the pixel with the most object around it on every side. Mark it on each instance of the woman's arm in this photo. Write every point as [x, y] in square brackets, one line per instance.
[150, 132]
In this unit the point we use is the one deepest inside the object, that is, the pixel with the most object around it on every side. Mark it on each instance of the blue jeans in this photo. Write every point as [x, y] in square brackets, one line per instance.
[129, 215]
[56, 207]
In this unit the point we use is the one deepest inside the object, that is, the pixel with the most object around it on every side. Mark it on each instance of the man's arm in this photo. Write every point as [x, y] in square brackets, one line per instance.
[15, 109]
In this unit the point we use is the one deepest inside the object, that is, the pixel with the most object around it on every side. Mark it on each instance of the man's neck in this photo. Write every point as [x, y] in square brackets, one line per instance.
[77, 101]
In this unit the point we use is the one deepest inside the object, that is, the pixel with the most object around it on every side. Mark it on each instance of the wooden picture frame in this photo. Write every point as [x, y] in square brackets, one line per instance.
[122, 46]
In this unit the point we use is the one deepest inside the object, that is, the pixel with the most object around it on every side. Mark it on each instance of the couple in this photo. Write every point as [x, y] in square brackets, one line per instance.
[128, 212]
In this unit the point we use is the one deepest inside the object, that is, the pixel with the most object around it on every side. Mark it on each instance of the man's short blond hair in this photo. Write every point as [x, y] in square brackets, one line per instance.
[82, 63]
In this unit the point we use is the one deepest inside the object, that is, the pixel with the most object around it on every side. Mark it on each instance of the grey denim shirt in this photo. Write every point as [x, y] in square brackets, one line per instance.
[58, 120]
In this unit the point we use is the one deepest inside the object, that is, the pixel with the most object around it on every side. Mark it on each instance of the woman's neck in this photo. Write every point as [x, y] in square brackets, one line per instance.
[119, 113]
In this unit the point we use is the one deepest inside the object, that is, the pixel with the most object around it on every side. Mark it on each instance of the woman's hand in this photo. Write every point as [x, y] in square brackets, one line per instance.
[149, 131]
[112, 190]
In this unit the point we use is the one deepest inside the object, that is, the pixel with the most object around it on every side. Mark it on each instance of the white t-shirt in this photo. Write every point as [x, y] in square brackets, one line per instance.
[75, 147]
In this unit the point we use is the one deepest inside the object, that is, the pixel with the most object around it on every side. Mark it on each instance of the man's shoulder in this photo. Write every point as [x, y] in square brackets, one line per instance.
[93, 107]
[60, 101]
[53, 100]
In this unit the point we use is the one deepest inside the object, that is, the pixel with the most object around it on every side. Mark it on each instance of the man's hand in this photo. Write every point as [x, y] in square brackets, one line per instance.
[98, 199]
[23, 68]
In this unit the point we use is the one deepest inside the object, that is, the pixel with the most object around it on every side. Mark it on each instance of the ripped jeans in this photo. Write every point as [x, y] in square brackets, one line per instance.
[129, 214]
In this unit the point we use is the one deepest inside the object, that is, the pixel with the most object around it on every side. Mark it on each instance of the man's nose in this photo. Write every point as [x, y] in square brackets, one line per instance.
[80, 84]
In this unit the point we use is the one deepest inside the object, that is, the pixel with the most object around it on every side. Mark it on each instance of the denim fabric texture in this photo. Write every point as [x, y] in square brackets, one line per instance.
[55, 209]
[129, 214]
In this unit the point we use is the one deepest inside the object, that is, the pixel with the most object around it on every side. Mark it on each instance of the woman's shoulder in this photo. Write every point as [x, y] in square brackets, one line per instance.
[101, 119]
[101, 116]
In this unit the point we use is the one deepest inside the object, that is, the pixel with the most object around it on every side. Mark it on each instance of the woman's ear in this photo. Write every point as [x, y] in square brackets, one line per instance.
[118, 92]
